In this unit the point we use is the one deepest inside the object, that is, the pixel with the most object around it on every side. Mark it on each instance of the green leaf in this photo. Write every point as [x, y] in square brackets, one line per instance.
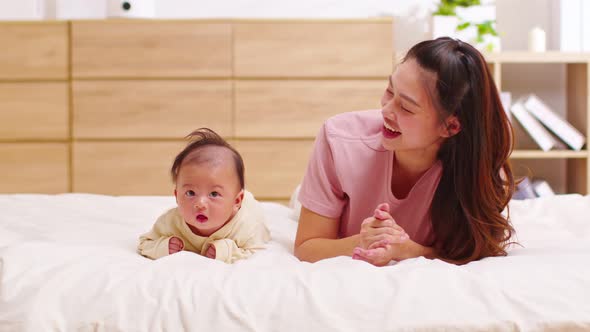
[466, 3]
[445, 9]
[463, 26]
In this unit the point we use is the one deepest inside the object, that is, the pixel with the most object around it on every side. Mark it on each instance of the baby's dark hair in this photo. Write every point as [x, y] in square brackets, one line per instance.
[203, 137]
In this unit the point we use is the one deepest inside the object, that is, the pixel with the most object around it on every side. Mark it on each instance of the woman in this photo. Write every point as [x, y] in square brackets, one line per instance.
[427, 175]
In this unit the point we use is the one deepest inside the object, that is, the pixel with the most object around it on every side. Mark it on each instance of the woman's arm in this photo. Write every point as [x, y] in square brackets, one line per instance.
[317, 238]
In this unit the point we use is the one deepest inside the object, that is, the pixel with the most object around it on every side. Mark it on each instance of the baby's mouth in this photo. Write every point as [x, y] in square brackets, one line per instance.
[202, 218]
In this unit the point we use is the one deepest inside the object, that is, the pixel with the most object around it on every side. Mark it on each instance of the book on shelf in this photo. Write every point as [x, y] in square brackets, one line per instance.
[555, 123]
[532, 188]
[533, 127]
[542, 188]
[524, 190]
[506, 100]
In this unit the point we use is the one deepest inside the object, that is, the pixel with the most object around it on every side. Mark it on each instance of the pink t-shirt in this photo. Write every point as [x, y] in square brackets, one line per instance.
[349, 174]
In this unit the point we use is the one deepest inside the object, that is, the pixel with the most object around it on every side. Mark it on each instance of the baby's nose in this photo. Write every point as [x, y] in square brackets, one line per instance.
[200, 203]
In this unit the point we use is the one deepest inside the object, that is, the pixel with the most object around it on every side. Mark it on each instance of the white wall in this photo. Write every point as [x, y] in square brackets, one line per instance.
[21, 9]
[515, 18]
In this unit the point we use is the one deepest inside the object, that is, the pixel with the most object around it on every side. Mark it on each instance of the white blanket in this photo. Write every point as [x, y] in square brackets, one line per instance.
[68, 263]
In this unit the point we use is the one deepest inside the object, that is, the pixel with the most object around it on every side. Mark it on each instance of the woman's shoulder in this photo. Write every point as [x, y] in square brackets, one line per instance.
[354, 125]
[360, 126]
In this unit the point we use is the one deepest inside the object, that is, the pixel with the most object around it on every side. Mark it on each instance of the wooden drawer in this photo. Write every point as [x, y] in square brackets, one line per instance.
[151, 109]
[298, 108]
[274, 167]
[34, 50]
[34, 110]
[124, 168]
[322, 49]
[34, 168]
[150, 49]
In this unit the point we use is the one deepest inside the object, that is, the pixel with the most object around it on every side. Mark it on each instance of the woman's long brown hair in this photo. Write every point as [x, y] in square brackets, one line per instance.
[477, 181]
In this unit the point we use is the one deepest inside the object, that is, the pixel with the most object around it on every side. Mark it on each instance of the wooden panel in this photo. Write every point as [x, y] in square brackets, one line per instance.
[23, 116]
[150, 49]
[577, 176]
[313, 49]
[38, 50]
[577, 95]
[34, 168]
[552, 154]
[273, 167]
[132, 109]
[298, 108]
[124, 168]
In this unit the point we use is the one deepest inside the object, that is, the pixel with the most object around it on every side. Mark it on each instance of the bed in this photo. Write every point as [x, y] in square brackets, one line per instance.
[68, 263]
[110, 127]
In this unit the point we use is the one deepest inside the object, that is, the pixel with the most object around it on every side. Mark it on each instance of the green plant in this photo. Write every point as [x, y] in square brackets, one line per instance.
[483, 28]
[447, 7]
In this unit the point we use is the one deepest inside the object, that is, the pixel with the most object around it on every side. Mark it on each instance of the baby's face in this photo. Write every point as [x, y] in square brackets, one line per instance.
[208, 195]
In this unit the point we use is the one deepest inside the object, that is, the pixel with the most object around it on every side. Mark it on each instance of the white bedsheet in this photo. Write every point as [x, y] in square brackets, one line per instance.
[68, 263]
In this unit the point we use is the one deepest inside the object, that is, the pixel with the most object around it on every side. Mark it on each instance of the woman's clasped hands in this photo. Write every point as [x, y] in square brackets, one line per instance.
[381, 239]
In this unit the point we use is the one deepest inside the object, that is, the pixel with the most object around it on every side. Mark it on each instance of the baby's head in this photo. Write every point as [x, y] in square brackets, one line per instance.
[209, 182]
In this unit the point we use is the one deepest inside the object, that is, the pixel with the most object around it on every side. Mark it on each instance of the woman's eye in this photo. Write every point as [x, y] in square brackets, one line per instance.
[189, 193]
[406, 110]
[214, 194]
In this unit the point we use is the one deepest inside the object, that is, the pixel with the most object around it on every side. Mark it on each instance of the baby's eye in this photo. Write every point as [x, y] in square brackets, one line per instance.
[189, 193]
[214, 194]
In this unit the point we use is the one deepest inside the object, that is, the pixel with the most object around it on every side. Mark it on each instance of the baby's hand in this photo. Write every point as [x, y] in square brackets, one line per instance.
[175, 245]
[210, 252]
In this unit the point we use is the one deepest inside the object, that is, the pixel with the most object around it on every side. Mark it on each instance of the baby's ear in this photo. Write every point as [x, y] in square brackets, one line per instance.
[239, 199]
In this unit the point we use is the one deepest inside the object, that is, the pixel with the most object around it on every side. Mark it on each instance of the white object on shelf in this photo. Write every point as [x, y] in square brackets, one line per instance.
[567, 26]
[533, 127]
[586, 26]
[537, 40]
[131, 8]
[560, 127]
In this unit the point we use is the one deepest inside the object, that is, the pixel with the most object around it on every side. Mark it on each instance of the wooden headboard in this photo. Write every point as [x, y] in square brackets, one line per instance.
[103, 106]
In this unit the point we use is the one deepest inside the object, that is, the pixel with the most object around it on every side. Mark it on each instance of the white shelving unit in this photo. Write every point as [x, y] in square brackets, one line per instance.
[566, 170]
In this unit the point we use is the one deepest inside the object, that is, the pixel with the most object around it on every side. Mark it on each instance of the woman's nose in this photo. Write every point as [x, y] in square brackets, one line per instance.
[388, 110]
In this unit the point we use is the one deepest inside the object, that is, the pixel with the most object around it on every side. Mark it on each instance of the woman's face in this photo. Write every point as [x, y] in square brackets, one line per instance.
[411, 122]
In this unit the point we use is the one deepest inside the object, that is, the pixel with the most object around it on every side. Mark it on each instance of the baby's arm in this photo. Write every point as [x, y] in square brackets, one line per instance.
[154, 247]
[229, 250]
[159, 242]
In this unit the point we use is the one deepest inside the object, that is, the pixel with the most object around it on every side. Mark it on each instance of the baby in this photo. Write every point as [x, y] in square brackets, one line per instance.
[215, 216]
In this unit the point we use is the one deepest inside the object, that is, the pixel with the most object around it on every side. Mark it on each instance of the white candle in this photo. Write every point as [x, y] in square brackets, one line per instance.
[537, 40]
